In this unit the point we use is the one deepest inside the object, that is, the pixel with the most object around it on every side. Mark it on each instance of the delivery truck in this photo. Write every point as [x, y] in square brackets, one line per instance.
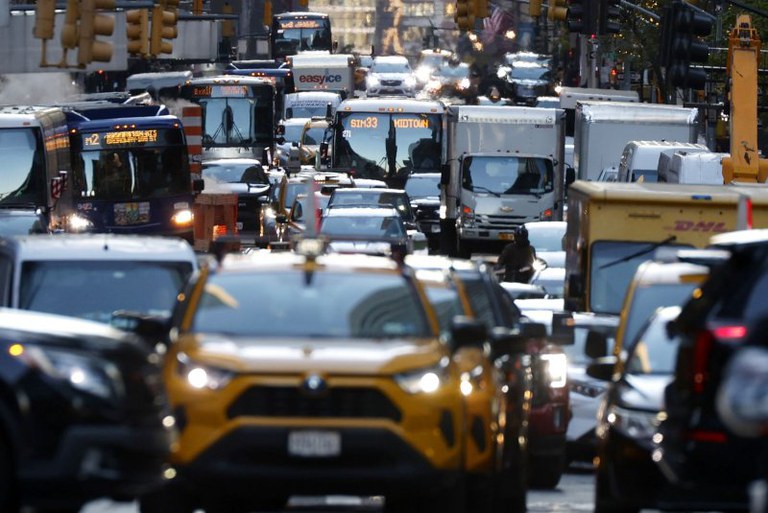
[504, 167]
[323, 71]
[603, 129]
[615, 226]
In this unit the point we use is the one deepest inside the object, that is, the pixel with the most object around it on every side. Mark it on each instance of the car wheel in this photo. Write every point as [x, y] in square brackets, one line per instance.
[546, 472]
[604, 500]
[9, 500]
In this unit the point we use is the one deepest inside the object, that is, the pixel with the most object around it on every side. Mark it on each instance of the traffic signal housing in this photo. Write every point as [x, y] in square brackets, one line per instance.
[464, 16]
[534, 8]
[685, 45]
[137, 31]
[557, 10]
[609, 17]
[45, 15]
[163, 28]
[92, 24]
[581, 16]
[480, 9]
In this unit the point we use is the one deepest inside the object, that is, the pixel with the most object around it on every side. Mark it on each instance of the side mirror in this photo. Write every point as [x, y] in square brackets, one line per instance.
[467, 332]
[198, 185]
[596, 345]
[562, 329]
[602, 368]
[445, 174]
[570, 175]
[505, 341]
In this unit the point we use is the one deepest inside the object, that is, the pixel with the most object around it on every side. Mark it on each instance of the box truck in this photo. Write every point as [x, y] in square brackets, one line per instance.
[603, 129]
[504, 167]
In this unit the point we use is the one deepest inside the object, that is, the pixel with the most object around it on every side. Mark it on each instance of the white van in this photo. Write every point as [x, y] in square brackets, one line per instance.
[692, 168]
[641, 158]
[309, 104]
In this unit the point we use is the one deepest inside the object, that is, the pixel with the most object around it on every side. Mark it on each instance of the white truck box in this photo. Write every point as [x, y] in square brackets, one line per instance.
[692, 168]
[309, 104]
[322, 71]
[493, 139]
[603, 129]
[570, 96]
[641, 158]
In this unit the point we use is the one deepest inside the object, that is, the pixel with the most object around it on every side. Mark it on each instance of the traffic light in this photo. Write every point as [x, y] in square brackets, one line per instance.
[609, 17]
[534, 8]
[69, 32]
[557, 10]
[92, 24]
[685, 47]
[581, 16]
[464, 16]
[137, 31]
[45, 14]
[163, 27]
[227, 25]
[480, 9]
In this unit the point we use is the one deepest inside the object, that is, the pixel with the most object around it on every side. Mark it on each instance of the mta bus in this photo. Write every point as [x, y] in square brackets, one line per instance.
[130, 170]
[281, 77]
[34, 147]
[388, 138]
[238, 115]
[294, 32]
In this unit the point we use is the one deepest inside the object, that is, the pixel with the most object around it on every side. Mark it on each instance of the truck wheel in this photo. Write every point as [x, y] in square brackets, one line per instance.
[546, 471]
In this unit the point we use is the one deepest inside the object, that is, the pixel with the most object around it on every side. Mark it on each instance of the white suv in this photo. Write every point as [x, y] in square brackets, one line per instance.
[390, 74]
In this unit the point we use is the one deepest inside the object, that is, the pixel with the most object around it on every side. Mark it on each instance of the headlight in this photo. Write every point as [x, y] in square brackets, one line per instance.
[83, 372]
[471, 380]
[464, 83]
[557, 369]
[633, 423]
[78, 223]
[183, 218]
[424, 381]
[200, 376]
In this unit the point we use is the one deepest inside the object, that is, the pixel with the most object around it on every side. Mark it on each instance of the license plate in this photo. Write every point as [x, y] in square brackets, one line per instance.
[311, 444]
[435, 228]
[507, 236]
[239, 226]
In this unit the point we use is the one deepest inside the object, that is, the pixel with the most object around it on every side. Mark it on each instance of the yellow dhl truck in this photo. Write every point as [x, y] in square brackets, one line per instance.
[615, 226]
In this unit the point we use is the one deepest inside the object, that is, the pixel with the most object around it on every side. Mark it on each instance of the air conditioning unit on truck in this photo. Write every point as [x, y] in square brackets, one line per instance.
[504, 167]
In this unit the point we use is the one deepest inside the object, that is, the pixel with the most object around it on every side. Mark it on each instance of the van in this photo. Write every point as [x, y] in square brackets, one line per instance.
[694, 168]
[641, 158]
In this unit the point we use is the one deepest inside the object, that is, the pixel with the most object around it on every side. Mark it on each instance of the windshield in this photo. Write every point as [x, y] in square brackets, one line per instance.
[610, 274]
[309, 108]
[314, 135]
[126, 171]
[363, 226]
[329, 304]
[390, 67]
[545, 239]
[23, 179]
[361, 141]
[293, 36]
[57, 287]
[648, 298]
[508, 175]
[654, 352]
[236, 121]
[234, 173]
[447, 305]
[374, 198]
[529, 73]
[647, 175]
[422, 187]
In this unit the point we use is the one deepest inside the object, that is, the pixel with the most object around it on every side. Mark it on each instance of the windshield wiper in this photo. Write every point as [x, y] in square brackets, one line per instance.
[486, 189]
[627, 258]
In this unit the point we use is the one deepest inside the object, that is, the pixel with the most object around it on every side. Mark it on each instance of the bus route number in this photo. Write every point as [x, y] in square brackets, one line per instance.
[369, 122]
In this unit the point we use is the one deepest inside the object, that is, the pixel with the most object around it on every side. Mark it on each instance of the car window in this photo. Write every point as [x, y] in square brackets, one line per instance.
[654, 351]
[648, 298]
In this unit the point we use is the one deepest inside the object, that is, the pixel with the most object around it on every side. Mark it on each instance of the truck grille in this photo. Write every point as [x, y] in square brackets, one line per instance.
[333, 403]
[507, 222]
[390, 83]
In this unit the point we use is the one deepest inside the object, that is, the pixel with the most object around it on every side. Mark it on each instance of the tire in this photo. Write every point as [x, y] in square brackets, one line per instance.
[9, 499]
[604, 500]
[546, 472]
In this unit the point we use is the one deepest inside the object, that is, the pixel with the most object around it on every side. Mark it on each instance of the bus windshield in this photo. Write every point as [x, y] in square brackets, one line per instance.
[131, 165]
[291, 35]
[362, 141]
[22, 179]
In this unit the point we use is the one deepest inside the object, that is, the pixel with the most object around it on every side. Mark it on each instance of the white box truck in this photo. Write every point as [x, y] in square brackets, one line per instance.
[322, 71]
[603, 129]
[640, 159]
[504, 167]
[692, 168]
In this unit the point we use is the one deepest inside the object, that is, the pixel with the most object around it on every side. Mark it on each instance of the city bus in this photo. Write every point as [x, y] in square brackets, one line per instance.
[388, 138]
[294, 32]
[130, 170]
[238, 115]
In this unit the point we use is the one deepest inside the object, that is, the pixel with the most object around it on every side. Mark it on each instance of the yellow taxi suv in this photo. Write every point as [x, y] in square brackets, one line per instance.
[302, 373]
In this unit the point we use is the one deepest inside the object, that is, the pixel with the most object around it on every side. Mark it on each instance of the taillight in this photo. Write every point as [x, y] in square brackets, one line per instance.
[703, 347]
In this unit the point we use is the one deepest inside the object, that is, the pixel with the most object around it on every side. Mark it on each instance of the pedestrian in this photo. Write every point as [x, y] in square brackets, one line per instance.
[517, 258]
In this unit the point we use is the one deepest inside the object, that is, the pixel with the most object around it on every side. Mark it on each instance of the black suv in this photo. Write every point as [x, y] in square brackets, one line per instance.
[82, 413]
[706, 465]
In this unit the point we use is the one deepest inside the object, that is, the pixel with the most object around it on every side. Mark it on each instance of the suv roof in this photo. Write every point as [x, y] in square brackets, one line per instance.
[100, 247]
